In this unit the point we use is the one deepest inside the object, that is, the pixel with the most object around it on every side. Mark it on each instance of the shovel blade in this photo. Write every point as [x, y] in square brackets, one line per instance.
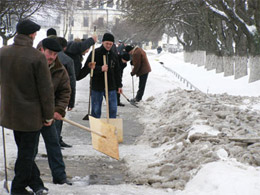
[86, 118]
[118, 123]
[108, 145]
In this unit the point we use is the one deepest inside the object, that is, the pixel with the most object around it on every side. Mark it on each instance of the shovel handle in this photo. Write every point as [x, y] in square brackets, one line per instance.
[82, 127]
[93, 53]
[125, 97]
[106, 88]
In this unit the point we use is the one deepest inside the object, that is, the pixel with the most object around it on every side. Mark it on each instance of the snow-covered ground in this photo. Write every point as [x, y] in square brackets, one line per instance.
[172, 164]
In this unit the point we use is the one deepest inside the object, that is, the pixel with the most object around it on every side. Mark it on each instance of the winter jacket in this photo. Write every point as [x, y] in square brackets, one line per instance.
[61, 84]
[122, 66]
[113, 74]
[140, 62]
[75, 50]
[26, 86]
[69, 65]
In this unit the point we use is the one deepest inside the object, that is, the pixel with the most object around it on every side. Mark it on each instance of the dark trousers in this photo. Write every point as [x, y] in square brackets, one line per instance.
[58, 124]
[26, 170]
[118, 98]
[55, 158]
[141, 87]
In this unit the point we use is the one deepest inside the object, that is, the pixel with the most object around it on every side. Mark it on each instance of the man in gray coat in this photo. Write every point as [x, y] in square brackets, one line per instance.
[27, 103]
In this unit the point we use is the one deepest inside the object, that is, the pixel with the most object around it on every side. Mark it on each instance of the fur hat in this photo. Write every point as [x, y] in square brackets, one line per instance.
[51, 44]
[128, 48]
[27, 27]
[108, 37]
[126, 56]
[51, 31]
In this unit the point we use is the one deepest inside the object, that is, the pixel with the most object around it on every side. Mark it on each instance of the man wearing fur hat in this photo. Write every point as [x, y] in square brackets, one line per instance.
[60, 79]
[27, 103]
[141, 69]
[98, 83]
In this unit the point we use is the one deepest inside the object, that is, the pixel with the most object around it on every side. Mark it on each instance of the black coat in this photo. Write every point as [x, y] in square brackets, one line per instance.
[113, 74]
[69, 65]
[75, 50]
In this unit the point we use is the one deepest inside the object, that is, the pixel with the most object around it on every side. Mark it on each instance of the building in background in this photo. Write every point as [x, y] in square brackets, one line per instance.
[79, 19]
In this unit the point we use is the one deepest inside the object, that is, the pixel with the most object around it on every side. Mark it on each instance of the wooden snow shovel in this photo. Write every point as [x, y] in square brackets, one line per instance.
[104, 138]
[117, 122]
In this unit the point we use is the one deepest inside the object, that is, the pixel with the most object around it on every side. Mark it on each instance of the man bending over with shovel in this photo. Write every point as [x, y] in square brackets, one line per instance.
[60, 79]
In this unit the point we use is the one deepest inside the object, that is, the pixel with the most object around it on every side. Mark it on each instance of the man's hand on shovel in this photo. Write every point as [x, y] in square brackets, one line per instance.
[92, 65]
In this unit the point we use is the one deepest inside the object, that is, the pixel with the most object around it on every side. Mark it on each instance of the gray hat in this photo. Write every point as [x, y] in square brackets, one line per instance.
[27, 27]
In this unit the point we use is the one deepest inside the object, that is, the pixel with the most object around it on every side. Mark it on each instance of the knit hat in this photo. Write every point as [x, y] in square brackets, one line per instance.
[51, 31]
[51, 44]
[27, 27]
[128, 48]
[108, 37]
[126, 56]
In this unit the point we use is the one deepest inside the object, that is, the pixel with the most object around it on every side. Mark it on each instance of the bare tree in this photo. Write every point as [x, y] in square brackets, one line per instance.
[13, 11]
[211, 25]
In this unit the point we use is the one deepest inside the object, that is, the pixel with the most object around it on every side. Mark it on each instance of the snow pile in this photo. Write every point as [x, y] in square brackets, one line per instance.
[191, 129]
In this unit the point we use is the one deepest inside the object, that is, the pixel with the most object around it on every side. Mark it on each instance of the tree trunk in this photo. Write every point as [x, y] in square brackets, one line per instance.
[4, 41]
[211, 61]
[201, 58]
[240, 66]
[220, 65]
[228, 66]
[254, 69]
[187, 57]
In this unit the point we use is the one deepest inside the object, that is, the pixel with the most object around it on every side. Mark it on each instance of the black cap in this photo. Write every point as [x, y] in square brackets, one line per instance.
[51, 44]
[108, 37]
[128, 48]
[126, 56]
[51, 31]
[27, 27]
[62, 41]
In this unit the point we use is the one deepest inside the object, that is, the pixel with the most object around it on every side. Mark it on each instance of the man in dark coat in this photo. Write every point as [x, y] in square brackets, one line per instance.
[98, 83]
[122, 59]
[27, 103]
[69, 65]
[76, 49]
[141, 69]
[60, 79]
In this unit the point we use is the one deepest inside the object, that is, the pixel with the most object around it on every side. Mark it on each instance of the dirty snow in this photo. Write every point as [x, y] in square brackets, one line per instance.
[185, 148]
